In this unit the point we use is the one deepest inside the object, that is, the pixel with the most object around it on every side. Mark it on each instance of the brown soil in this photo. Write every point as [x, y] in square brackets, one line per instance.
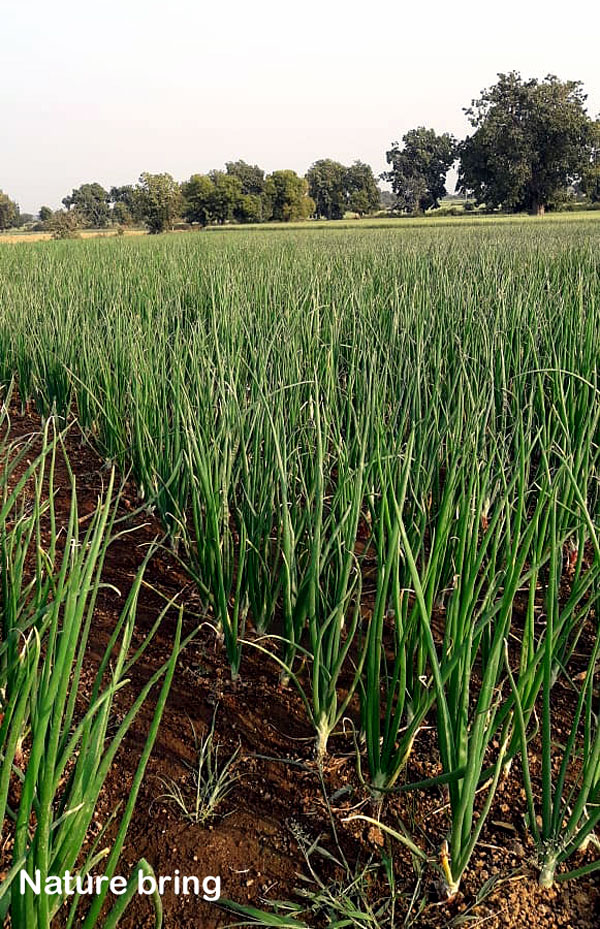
[278, 801]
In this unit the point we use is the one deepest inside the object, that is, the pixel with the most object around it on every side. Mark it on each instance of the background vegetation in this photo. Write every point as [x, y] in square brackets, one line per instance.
[533, 148]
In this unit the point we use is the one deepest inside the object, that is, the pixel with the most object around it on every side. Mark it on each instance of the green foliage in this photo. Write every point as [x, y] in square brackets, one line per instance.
[387, 200]
[226, 196]
[361, 189]
[91, 203]
[327, 187]
[242, 195]
[418, 169]
[9, 212]
[120, 214]
[197, 195]
[250, 208]
[64, 224]
[127, 205]
[532, 138]
[160, 201]
[219, 198]
[287, 198]
[590, 173]
[337, 189]
[376, 452]
[251, 176]
[72, 742]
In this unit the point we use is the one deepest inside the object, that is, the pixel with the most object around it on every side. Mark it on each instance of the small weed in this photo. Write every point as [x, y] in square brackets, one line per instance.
[210, 782]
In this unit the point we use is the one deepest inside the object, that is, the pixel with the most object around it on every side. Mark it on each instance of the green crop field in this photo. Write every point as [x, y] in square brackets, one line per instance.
[375, 450]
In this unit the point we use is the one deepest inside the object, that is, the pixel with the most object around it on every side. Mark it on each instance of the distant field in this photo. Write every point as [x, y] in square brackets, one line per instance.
[427, 220]
[591, 216]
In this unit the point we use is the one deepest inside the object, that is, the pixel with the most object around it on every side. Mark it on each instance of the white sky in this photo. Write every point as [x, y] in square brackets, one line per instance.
[103, 91]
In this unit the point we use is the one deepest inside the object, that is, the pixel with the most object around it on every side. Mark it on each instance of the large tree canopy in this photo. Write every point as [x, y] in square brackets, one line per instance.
[225, 197]
[127, 205]
[160, 200]
[362, 192]
[418, 169]
[590, 175]
[9, 212]
[92, 203]
[197, 195]
[220, 197]
[531, 140]
[287, 197]
[336, 188]
[327, 187]
[251, 176]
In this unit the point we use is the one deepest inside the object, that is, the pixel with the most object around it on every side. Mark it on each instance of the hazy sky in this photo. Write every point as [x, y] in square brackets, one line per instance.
[103, 91]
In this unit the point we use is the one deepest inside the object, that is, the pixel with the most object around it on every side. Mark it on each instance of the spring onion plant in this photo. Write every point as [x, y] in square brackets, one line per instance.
[56, 754]
[565, 821]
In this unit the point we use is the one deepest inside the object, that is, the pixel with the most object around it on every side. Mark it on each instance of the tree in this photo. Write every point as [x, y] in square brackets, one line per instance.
[387, 200]
[590, 174]
[127, 207]
[218, 198]
[45, 214]
[160, 200]
[531, 139]
[226, 196]
[362, 194]
[91, 201]
[251, 176]
[197, 196]
[250, 209]
[327, 187]
[286, 197]
[337, 189]
[9, 212]
[121, 214]
[64, 224]
[418, 170]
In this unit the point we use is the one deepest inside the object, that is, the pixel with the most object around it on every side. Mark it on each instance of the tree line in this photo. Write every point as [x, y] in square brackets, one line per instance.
[532, 147]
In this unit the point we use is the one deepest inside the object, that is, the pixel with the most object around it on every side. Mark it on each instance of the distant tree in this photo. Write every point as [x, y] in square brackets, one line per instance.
[160, 201]
[91, 201]
[121, 214]
[362, 194]
[250, 209]
[590, 174]
[124, 194]
[9, 212]
[197, 199]
[531, 139]
[418, 169]
[327, 187]
[251, 176]
[286, 197]
[64, 224]
[127, 207]
[45, 214]
[226, 196]
[387, 200]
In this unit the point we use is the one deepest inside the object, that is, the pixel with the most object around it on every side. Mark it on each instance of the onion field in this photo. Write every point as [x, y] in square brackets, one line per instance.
[374, 453]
